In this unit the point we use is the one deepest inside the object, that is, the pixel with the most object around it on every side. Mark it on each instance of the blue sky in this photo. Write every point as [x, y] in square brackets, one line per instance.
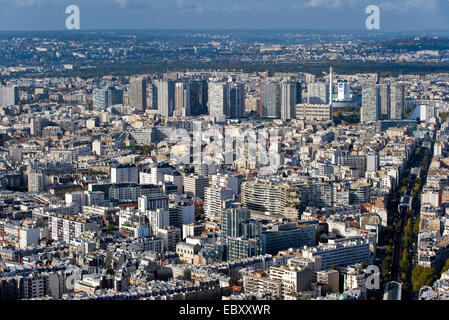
[396, 15]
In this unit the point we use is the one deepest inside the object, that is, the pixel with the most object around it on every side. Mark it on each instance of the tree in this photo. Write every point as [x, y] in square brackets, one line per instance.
[416, 227]
[423, 276]
[389, 250]
[446, 267]
[404, 265]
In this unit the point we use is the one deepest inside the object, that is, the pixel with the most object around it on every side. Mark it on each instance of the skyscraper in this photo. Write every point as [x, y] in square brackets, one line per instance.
[318, 93]
[288, 100]
[370, 111]
[166, 97]
[198, 97]
[218, 96]
[106, 97]
[270, 100]
[384, 92]
[236, 100]
[9, 96]
[182, 99]
[138, 93]
[397, 96]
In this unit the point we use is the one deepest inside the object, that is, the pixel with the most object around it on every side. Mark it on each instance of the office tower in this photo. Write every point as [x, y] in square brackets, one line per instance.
[370, 111]
[298, 92]
[344, 92]
[97, 148]
[232, 221]
[318, 93]
[152, 95]
[270, 100]
[100, 99]
[331, 85]
[9, 96]
[194, 186]
[138, 93]
[124, 173]
[288, 100]
[318, 112]
[152, 201]
[182, 99]
[236, 100]
[288, 235]
[214, 199]
[198, 97]
[181, 213]
[218, 99]
[397, 96]
[36, 125]
[166, 98]
[36, 180]
[106, 97]
[384, 94]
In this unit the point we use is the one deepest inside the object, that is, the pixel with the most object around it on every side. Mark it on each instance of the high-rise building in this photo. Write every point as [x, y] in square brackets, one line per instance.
[36, 180]
[9, 96]
[288, 100]
[198, 97]
[194, 185]
[214, 198]
[270, 100]
[236, 100]
[318, 93]
[218, 99]
[370, 111]
[344, 91]
[384, 93]
[397, 96]
[138, 93]
[182, 99]
[166, 98]
[233, 220]
[124, 173]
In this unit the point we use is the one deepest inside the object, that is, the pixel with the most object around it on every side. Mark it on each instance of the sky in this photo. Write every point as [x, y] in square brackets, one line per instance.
[395, 15]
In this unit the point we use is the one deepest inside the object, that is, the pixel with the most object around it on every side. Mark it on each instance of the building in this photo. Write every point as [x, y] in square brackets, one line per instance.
[340, 252]
[214, 201]
[385, 102]
[285, 236]
[166, 97]
[124, 173]
[66, 228]
[198, 97]
[397, 96]
[106, 97]
[317, 112]
[270, 100]
[370, 111]
[318, 93]
[343, 91]
[36, 180]
[232, 221]
[171, 236]
[289, 99]
[138, 93]
[182, 99]
[194, 186]
[9, 96]
[218, 99]
[236, 100]
[260, 283]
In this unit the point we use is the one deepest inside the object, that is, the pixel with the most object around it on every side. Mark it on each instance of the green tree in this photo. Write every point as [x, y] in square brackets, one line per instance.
[446, 267]
[422, 276]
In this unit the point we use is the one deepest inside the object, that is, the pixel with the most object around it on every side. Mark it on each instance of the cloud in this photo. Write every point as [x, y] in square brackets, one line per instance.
[328, 3]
